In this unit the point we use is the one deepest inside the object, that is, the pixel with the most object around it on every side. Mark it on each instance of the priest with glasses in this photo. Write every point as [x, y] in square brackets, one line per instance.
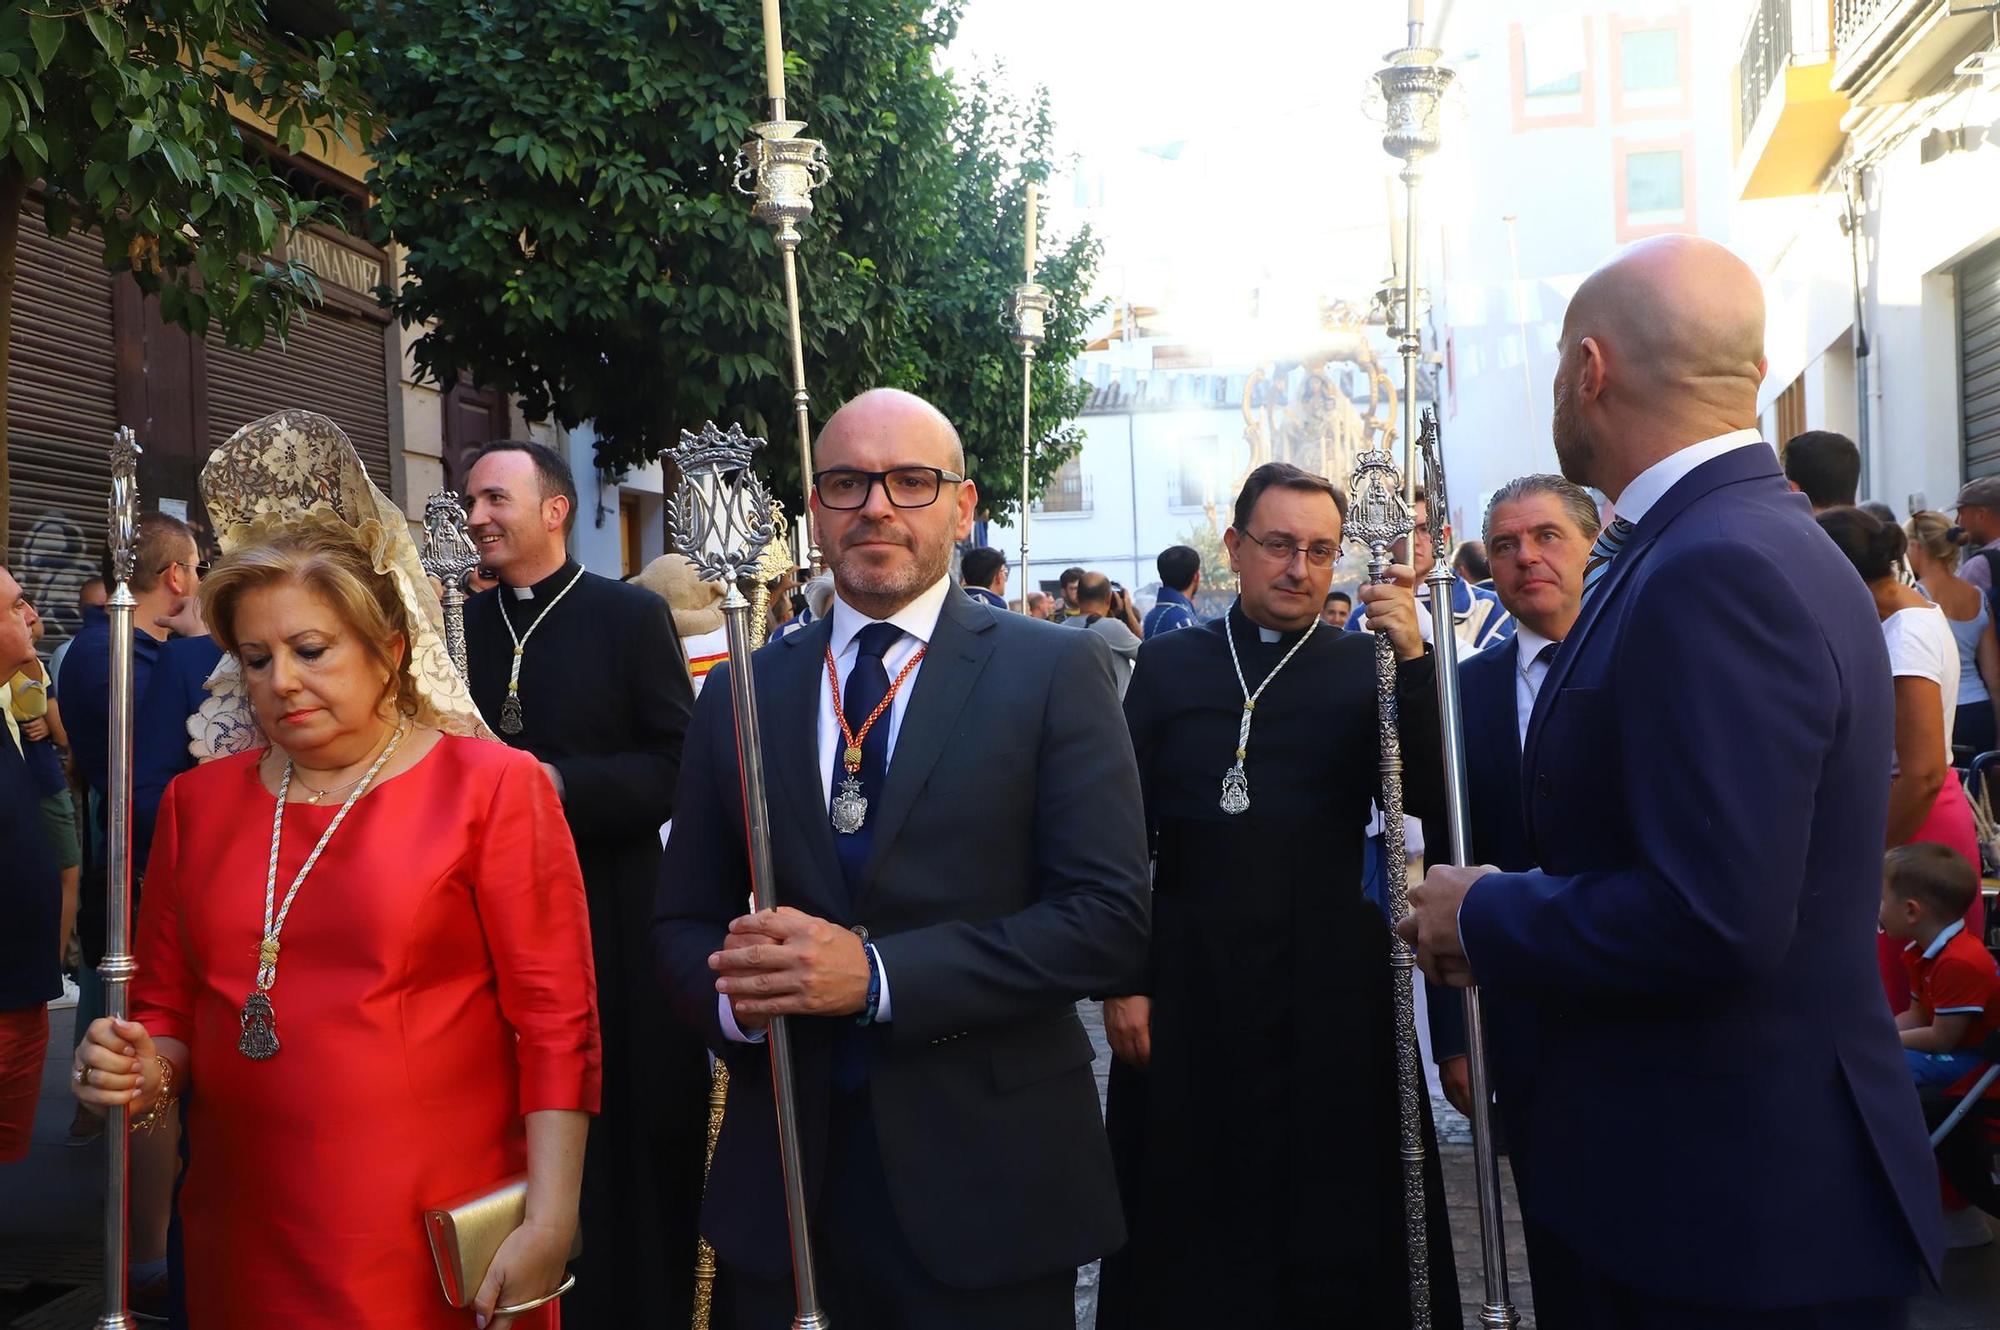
[1253, 1108]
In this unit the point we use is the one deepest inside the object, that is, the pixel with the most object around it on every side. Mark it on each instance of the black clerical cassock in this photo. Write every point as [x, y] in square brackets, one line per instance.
[604, 698]
[1258, 1152]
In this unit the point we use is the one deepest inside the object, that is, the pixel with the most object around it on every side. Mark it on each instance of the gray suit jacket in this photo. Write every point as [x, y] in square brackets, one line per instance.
[1007, 880]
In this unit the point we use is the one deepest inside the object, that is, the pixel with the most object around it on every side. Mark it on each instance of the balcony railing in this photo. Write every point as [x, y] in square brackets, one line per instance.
[1767, 47]
[1854, 21]
[1888, 51]
[1069, 492]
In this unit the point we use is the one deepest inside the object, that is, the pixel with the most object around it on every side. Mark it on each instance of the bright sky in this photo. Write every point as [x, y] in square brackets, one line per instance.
[1233, 141]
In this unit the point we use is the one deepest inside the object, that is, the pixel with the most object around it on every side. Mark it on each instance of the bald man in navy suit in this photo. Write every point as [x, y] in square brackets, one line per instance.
[1704, 793]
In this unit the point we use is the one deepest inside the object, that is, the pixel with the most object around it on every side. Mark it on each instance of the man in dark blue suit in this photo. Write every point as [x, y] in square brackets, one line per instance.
[1539, 530]
[1722, 1131]
[956, 875]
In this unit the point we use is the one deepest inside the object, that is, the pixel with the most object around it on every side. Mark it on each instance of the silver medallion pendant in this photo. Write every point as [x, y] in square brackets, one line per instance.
[260, 1028]
[510, 714]
[1235, 790]
[850, 807]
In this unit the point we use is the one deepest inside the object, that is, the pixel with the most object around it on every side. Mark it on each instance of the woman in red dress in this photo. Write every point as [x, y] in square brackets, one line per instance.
[364, 960]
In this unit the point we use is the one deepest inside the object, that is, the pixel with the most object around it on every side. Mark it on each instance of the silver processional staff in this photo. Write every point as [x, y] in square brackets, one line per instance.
[721, 518]
[118, 966]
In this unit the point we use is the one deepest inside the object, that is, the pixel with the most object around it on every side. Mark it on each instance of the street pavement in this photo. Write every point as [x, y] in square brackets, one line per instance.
[50, 1225]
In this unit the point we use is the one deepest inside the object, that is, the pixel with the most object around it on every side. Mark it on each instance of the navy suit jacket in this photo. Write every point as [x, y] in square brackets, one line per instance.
[1006, 880]
[1487, 700]
[1720, 1108]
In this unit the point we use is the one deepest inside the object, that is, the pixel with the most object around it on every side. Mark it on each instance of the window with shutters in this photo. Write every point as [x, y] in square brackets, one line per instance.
[62, 406]
[1979, 361]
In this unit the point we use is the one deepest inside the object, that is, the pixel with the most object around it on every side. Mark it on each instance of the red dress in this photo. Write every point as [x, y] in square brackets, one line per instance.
[435, 984]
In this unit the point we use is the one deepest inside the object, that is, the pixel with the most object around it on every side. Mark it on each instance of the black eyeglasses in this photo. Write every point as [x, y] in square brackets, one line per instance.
[1319, 554]
[844, 490]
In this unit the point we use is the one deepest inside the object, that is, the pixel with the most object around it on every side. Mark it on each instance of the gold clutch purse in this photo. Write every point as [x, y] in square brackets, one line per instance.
[467, 1233]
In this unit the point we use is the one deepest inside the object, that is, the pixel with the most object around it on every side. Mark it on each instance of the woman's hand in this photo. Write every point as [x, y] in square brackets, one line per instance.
[528, 1265]
[117, 1065]
[35, 730]
[1128, 1028]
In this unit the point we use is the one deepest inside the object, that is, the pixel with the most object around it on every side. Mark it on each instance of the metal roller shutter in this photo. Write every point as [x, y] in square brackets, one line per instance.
[1979, 361]
[62, 409]
[333, 363]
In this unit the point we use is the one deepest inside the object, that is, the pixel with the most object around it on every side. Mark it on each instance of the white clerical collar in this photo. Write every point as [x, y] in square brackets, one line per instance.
[1531, 643]
[522, 592]
[1651, 485]
[918, 618]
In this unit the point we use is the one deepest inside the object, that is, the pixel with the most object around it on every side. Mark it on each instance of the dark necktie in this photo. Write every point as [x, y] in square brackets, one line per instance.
[867, 685]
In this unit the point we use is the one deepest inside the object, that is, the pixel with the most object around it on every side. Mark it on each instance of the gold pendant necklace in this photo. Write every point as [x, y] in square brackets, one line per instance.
[510, 709]
[314, 794]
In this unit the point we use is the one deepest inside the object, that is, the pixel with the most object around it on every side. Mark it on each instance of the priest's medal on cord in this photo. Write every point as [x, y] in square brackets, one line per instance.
[1236, 781]
[510, 710]
[850, 805]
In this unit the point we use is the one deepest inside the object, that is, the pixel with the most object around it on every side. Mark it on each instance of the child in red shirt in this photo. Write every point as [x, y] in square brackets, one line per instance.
[1954, 982]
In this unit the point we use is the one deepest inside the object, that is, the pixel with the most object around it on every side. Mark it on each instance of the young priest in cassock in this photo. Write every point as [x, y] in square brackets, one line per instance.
[586, 673]
[1253, 1104]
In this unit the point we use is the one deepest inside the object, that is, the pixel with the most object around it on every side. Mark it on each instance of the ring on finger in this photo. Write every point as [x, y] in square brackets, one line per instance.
[83, 1075]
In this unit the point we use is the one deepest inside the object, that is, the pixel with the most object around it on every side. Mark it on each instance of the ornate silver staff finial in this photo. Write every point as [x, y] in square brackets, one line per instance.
[721, 514]
[1430, 453]
[780, 171]
[124, 531]
[450, 556]
[1032, 303]
[1377, 514]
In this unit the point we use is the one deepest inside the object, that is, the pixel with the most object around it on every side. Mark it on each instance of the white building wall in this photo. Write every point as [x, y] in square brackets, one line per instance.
[1130, 464]
[1918, 220]
[1560, 183]
[596, 540]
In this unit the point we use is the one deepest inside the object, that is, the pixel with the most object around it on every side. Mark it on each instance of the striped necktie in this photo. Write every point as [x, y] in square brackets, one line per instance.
[1609, 542]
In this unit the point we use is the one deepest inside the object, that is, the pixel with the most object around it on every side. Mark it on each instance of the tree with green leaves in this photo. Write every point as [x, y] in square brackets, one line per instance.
[128, 116]
[1205, 538]
[970, 363]
[562, 177]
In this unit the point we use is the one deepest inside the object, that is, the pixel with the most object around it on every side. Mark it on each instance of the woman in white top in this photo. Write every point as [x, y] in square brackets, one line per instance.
[1926, 801]
[1935, 544]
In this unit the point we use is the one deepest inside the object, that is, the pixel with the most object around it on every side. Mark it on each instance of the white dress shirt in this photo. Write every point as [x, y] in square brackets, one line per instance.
[1651, 485]
[918, 620]
[1529, 671]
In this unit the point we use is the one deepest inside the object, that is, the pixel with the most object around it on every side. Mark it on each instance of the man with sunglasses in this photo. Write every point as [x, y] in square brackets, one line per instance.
[959, 849]
[1253, 1100]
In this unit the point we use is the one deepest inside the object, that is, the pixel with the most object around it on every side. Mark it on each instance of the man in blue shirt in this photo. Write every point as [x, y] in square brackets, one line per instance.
[165, 575]
[1180, 578]
[31, 905]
